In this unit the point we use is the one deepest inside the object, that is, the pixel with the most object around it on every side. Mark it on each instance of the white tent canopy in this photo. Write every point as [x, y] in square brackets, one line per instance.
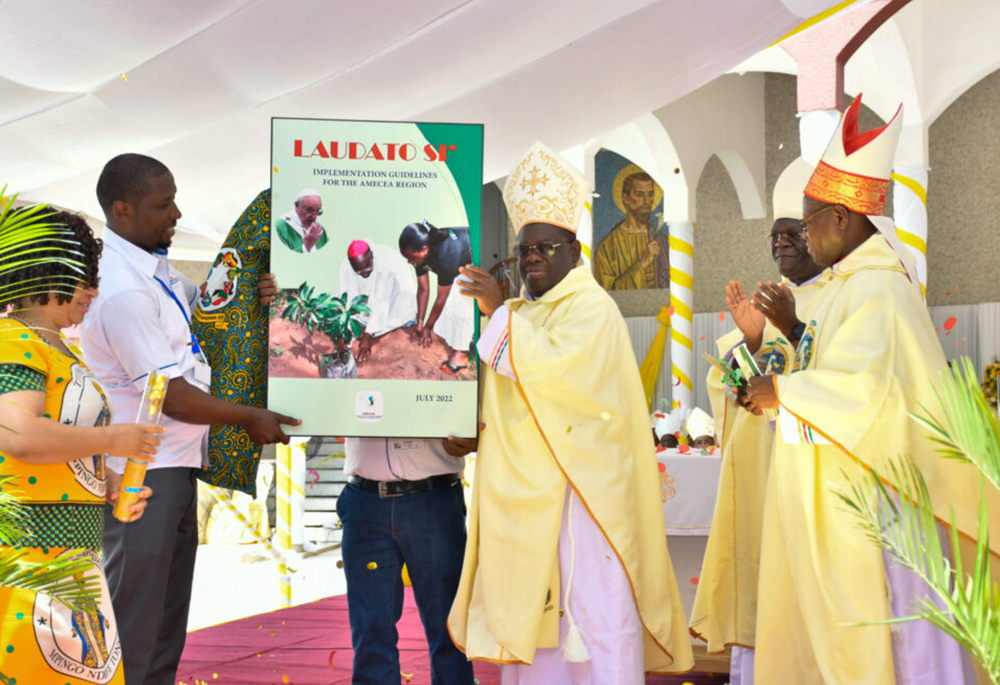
[195, 82]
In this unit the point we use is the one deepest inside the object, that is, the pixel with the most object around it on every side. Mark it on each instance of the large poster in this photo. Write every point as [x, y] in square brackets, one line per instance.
[370, 224]
[630, 237]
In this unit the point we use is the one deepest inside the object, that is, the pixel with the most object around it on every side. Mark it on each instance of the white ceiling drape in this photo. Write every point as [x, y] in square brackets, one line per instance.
[195, 82]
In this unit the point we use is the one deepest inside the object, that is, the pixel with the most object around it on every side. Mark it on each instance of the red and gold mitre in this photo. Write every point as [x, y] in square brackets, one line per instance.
[545, 188]
[856, 168]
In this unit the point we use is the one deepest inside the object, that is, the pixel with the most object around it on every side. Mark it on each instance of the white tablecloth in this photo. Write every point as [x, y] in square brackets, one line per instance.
[690, 484]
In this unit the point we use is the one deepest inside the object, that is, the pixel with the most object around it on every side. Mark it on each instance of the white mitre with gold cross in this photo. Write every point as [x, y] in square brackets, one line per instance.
[545, 188]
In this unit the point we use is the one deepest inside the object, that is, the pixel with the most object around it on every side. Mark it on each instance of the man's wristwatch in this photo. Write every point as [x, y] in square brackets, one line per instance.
[797, 332]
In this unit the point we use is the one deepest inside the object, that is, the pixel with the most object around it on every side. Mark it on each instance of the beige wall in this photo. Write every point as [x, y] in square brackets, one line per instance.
[963, 234]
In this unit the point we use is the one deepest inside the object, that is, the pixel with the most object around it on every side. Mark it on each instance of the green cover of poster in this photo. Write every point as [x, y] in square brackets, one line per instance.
[370, 223]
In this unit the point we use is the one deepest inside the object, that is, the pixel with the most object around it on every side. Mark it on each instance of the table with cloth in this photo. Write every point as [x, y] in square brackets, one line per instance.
[690, 482]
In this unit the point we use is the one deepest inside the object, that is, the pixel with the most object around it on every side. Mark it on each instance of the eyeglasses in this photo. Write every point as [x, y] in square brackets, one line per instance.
[794, 236]
[312, 212]
[541, 249]
[804, 224]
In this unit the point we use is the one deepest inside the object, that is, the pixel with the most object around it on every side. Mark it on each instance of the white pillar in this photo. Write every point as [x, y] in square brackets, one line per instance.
[909, 208]
[815, 130]
[283, 496]
[298, 494]
[682, 320]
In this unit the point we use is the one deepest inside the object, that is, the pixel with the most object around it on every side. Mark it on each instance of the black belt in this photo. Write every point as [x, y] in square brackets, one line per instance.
[396, 488]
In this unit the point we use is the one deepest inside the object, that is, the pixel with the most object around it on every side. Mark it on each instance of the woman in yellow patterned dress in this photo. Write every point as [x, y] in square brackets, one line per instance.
[56, 431]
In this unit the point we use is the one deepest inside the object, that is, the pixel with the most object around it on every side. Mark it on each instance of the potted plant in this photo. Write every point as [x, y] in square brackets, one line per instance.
[334, 316]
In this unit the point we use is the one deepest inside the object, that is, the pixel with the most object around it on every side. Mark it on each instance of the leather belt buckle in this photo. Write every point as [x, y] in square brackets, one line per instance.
[383, 491]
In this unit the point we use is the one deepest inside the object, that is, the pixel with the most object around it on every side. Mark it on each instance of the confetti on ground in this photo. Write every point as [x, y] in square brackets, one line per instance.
[275, 169]
[662, 467]
[722, 316]
[569, 429]
[372, 566]
[124, 76]
[705, 336]
[340, 563]
[332, 654]
[284, 678]
[937, 330]
[950, 323]
[670, 310]
[694, 581]
[952, 291]
[406, 675]
[315, 480]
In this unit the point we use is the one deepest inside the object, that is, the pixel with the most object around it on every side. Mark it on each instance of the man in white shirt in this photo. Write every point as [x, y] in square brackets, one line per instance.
[140, 322]
[403, 504]
[382, 274]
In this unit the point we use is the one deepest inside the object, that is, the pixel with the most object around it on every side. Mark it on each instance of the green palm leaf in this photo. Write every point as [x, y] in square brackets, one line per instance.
[61, 579]
[968, 599]
[967, 428]
[26, 232]
[12, 513]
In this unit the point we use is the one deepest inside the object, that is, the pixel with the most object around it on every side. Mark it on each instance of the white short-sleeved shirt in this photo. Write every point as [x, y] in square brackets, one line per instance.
[387, 459]
[134, 326]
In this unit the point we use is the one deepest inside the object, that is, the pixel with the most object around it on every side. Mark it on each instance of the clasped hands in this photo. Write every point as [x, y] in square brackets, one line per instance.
[772, 302]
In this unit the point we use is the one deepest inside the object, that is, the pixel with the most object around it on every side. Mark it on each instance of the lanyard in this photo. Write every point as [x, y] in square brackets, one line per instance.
[195, 347]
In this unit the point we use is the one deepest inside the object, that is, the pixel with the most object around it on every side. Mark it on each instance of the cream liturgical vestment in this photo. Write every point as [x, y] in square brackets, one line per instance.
[574, 413]
[725, 605]
[868, 357]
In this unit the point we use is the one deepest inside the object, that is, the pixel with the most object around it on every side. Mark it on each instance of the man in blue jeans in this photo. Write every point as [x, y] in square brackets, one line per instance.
[403, 504]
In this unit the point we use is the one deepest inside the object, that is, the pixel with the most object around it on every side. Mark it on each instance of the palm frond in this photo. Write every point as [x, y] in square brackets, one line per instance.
[27, 232]
[64, 580]
[967, 605]
[12, 513]
[965, 427]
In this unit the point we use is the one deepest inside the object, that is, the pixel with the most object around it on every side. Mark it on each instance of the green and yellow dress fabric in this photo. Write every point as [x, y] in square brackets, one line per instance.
[42, 641]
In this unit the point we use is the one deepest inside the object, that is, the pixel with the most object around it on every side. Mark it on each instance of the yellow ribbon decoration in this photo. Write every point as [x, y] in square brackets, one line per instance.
[649, 370]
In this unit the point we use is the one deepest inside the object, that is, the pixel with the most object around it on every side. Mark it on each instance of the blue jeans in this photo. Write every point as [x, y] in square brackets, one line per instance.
[425, 530]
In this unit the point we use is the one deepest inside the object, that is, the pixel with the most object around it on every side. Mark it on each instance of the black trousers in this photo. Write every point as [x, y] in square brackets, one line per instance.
[150, 565]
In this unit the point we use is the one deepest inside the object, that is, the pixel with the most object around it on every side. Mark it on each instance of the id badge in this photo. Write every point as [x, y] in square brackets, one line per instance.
[202, 372]
[406, 445]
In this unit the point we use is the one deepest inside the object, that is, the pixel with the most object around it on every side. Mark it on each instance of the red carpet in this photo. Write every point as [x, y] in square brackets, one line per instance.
[310, 644]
